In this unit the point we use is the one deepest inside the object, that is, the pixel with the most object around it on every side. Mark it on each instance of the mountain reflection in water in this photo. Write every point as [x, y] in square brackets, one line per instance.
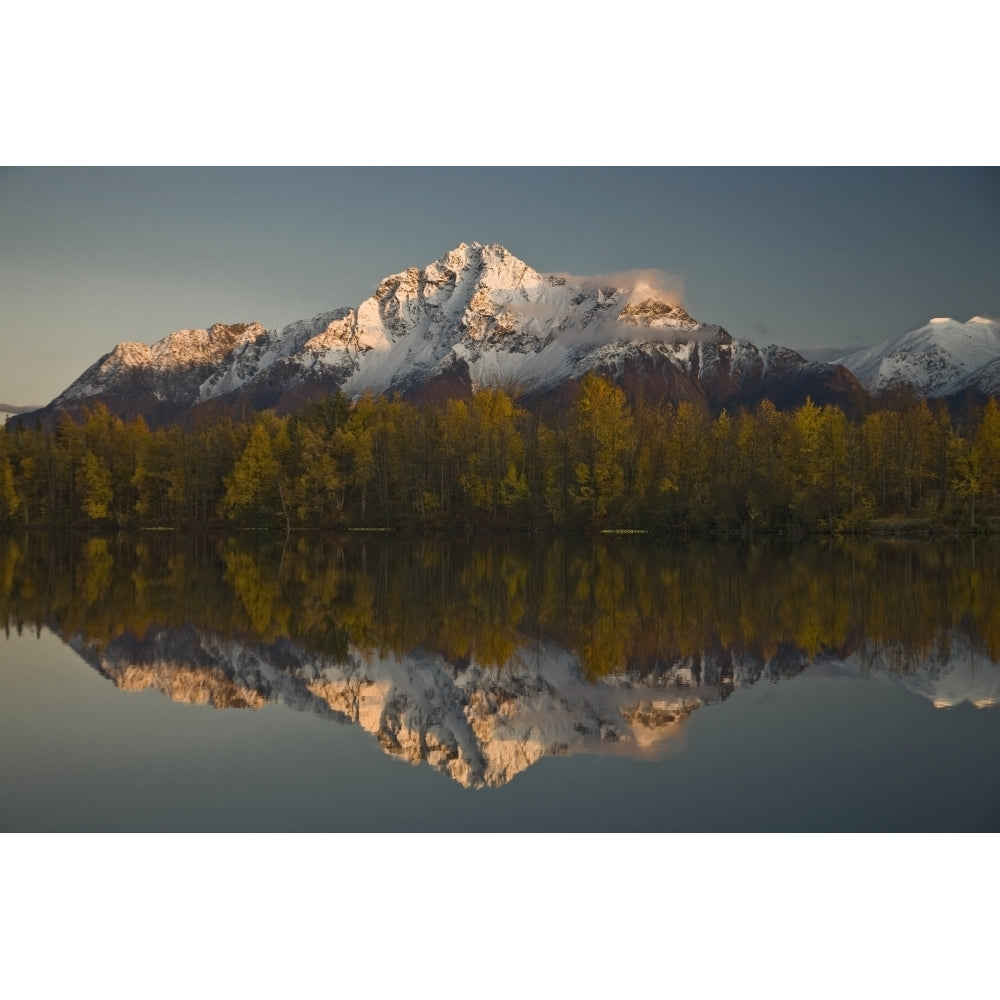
[481, 657]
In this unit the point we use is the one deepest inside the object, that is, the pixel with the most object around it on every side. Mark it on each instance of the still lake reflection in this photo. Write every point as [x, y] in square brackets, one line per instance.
[535, 683]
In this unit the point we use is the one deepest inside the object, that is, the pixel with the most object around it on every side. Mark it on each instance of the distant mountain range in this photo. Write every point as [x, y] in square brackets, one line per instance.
[943, 359]
[479, 316]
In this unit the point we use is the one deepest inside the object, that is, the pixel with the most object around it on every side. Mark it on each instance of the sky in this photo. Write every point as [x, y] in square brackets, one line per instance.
[805, 257]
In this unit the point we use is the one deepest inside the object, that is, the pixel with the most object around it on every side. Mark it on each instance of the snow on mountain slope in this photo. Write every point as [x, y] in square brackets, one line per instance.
[481, 310]
[983, 381]
[478, 316]
[936, 359]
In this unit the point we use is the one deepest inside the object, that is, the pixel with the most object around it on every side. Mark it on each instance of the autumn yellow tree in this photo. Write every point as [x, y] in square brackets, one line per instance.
[256, 492]
[493, 475]
[986, 445]
[600, 435]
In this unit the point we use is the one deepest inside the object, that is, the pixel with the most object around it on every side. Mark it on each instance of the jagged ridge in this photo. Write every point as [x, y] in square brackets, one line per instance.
[478, 316]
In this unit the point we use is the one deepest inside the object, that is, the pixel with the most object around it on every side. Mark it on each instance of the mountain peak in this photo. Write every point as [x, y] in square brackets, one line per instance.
[490, 264]
[657, 313]
[130, 354]
[478, 315]
[936, 358]
[480, 251]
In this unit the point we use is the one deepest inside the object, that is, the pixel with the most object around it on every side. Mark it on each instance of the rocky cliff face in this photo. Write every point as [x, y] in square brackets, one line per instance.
[476, 317]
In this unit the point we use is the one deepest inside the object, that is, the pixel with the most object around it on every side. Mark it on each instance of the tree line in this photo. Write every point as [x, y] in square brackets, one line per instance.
[488, 463]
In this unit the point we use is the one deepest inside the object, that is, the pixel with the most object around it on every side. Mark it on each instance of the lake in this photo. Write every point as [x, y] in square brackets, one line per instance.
[374, 682]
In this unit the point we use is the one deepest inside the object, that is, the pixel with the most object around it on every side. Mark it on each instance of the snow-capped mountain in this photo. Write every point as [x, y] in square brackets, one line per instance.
[478, 316]
[943, 358]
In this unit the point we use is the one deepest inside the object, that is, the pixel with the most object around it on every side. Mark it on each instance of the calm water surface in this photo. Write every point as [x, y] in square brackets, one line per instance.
[369, 683]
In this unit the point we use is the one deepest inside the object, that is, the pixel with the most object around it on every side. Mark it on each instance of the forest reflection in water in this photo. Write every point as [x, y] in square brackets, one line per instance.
[481, 656]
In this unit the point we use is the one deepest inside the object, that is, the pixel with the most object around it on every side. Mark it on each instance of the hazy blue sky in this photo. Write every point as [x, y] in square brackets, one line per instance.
[803, 257]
